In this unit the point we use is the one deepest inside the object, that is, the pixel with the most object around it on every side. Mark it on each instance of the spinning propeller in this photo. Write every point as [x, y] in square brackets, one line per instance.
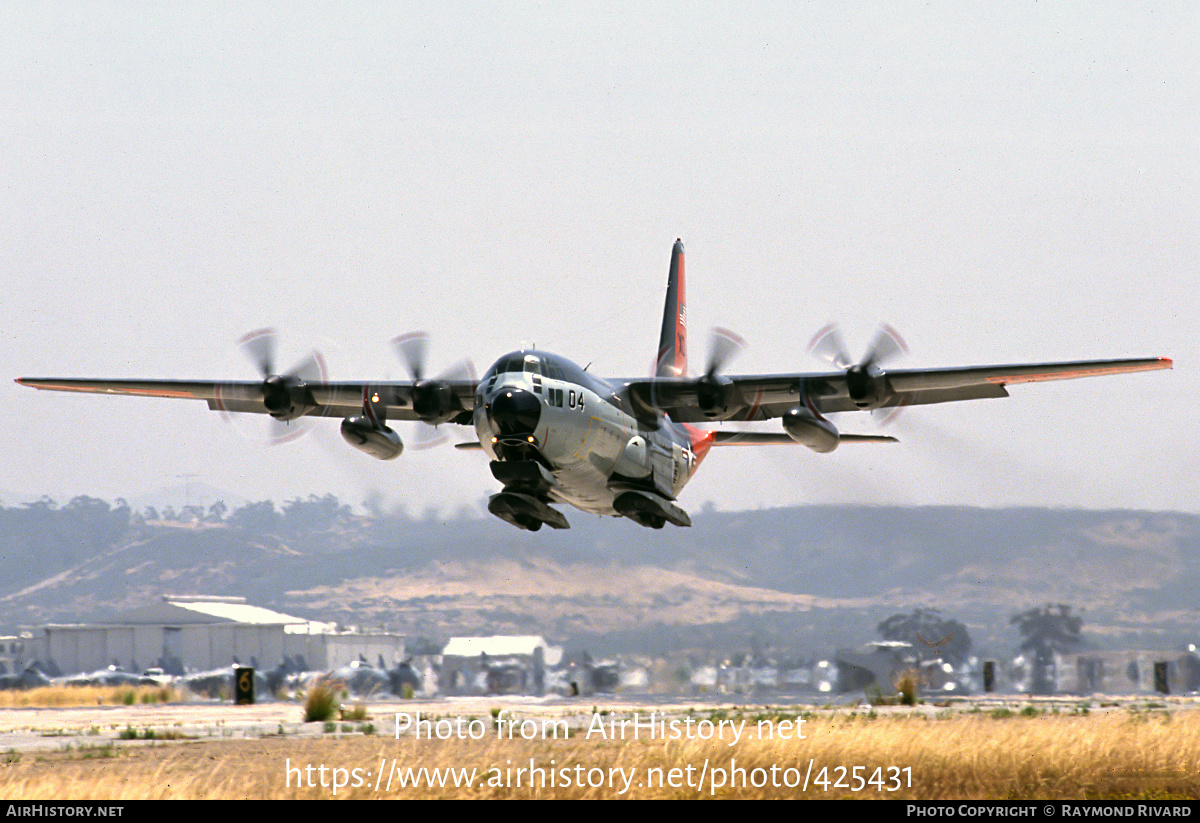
[712, 390]
[286, 396]
[432, 399]
[866, 382]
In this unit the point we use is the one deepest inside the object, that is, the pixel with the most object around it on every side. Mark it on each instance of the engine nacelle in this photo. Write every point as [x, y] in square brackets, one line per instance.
[868, 388]
[376, 440]
[286, 398]
[433, 401]
[712, 395]
[809, 430]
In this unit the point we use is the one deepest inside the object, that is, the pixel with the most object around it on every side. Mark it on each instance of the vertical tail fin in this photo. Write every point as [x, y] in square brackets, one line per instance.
[672, 342]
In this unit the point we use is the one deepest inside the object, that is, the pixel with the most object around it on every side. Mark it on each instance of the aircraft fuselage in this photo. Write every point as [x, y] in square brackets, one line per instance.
[557, 433]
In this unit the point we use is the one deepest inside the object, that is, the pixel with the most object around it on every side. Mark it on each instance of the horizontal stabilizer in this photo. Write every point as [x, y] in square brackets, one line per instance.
[731, 438]
[867, 438]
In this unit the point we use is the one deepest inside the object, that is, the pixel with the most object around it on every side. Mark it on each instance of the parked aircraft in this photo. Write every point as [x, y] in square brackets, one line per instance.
[556, 433]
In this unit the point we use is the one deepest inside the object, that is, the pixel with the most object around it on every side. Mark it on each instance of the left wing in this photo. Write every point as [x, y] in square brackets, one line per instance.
[764, 397]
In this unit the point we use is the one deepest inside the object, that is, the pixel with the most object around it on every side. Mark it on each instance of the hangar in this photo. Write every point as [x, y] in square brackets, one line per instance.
[182, 633]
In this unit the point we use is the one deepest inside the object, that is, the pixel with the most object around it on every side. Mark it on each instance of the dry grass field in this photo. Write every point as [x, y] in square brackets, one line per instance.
[1118, 753]
[87, 696]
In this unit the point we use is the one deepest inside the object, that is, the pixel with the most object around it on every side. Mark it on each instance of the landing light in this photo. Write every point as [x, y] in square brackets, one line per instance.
[530, 439]
[375, 397]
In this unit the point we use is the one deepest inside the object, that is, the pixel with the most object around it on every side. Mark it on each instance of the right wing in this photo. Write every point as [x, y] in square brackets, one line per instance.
[340, 399]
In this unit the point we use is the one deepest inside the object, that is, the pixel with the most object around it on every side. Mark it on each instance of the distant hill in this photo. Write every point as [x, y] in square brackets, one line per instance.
[798, 580]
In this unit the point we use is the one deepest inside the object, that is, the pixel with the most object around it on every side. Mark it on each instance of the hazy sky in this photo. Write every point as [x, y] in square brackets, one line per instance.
[1001, 182]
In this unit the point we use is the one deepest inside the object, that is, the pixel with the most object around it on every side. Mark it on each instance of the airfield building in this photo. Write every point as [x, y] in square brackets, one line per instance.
[13, 653]
[501, 664]
[199, 633]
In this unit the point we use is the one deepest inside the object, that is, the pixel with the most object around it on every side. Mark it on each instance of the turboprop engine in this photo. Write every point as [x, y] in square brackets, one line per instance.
[808, 429]
[866, 383]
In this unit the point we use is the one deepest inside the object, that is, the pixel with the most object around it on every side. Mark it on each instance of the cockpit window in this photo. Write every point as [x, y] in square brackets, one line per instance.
[548, 365]
[508, 363]
[551, 369]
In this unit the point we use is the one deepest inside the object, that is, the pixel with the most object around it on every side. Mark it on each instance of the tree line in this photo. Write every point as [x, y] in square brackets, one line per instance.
[1045, 630]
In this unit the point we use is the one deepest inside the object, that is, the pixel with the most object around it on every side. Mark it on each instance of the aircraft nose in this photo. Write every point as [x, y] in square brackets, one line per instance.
[514, 413]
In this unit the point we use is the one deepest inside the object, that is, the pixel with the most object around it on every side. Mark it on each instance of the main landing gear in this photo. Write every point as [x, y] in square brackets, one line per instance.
[523, 500]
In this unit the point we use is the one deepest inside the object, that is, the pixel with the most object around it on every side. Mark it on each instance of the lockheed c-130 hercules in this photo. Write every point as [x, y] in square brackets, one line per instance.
[555, 433]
